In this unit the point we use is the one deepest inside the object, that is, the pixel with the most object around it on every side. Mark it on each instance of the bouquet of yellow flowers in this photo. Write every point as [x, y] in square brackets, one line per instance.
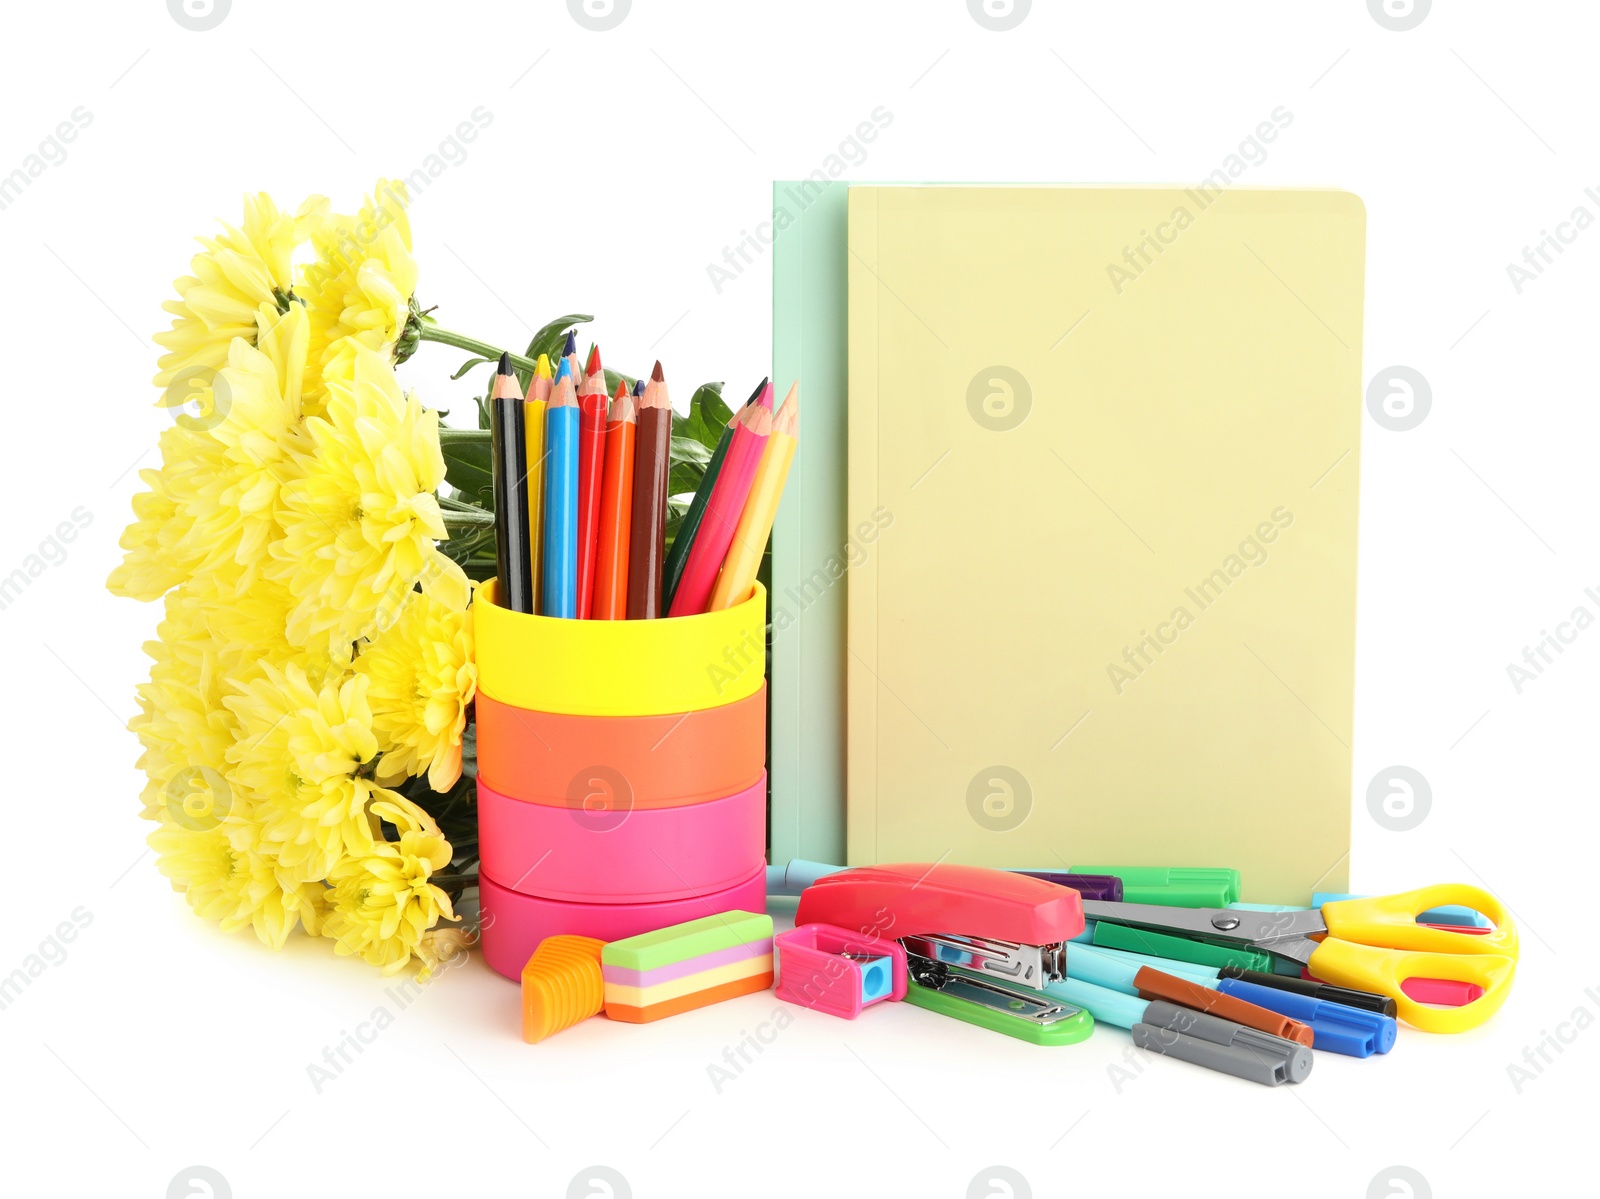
[314, 535]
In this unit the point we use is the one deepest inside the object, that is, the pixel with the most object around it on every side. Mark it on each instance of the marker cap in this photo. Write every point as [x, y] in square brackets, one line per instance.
[1103, 888]
[1155, 984]
[1221, 1045]
[1335, 1027]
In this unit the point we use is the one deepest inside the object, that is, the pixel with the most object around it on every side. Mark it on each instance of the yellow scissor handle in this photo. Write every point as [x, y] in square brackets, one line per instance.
[1390, 921]
[1383, 970]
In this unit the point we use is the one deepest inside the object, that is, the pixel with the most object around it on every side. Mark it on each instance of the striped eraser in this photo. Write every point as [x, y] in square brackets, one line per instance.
[687, 966]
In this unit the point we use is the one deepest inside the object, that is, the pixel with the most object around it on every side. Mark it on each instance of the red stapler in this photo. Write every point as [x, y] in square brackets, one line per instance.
[1013, 926]
[968, 932]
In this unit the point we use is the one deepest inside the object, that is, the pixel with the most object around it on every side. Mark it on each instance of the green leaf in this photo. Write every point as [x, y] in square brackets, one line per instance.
[708, 415]
[687, 449]
[548, 340]
[468, 365]
[684, 479]
[467, 465]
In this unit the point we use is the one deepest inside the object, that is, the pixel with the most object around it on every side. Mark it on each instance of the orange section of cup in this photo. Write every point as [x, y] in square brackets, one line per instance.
[668, 761]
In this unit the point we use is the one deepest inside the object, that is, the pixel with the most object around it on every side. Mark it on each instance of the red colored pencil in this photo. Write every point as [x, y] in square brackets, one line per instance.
[591, 459]
[616, 510]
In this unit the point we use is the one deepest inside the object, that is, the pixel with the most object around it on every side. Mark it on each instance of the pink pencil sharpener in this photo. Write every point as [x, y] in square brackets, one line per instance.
[837, 971]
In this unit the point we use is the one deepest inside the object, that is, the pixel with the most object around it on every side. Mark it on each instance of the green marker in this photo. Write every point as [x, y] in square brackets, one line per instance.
[1161, 945]
[1174, 886]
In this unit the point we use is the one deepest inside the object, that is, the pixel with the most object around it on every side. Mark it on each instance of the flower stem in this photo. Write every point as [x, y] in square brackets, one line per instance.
[432, 332]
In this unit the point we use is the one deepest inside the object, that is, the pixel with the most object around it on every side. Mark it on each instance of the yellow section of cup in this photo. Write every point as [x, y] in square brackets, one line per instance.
[620, 667]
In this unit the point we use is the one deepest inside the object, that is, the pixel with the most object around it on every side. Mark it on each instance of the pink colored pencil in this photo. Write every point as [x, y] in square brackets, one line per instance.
[750, 431]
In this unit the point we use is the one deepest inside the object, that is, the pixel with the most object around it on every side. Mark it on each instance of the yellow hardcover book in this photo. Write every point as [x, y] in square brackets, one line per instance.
[1114, 438]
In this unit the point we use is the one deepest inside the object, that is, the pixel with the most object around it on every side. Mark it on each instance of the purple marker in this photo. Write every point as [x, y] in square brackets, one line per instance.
[1103, 888]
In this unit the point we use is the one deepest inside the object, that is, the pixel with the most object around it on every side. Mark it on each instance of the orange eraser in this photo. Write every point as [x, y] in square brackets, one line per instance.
[561, 984]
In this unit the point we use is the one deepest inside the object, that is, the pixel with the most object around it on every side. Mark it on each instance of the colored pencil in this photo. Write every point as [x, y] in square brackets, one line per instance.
[569, 351]
[751, 429]
[533, 410]
[591, 461]
[678, 555]
[616, 510]
[561, 499]
[652, 466]
[739, 570]
[508, 452]
[638, 385]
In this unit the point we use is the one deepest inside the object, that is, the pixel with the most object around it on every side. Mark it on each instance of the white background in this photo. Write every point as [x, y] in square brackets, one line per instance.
[617, 167]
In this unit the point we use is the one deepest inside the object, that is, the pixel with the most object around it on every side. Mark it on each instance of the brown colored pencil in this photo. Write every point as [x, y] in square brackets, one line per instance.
[652, 466]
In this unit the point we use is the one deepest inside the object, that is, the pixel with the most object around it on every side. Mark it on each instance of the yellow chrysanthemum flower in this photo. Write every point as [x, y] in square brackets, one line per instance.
[245, 625]
[183, 727]
[292, 521]
[422, 678]
[238, 273]
[298, 752]
[151, 567]
[214, 499]
[361, 518]
[225, 878]
[233, 512]
[160, 554]
[362, 279]
[381, 903]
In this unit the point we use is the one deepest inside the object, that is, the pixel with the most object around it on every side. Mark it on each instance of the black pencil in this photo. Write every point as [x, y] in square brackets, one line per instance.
[509, 453]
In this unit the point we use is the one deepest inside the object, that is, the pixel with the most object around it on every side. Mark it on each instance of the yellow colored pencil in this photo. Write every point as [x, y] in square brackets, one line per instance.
[533, 409]
[738, 574]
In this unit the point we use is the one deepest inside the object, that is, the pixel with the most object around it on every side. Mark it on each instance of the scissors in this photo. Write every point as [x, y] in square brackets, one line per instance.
[1369, 944]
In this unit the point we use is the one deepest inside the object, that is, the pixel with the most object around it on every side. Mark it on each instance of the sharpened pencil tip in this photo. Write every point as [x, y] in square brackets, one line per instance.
[638, 388]
[571, 346]
[594, 361]
[756, 394]
[656, 373]
[505, 385]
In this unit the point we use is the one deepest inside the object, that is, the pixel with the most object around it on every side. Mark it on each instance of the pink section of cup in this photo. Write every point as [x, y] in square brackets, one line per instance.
[514, 923]
[613, 853]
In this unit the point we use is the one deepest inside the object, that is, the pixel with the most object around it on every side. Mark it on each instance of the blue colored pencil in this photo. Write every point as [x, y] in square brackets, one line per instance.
[560, 596]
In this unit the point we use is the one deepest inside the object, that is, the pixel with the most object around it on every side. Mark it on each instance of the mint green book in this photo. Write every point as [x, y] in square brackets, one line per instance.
[814, 540]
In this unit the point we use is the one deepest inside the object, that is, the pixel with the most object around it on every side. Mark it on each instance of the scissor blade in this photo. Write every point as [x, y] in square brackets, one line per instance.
[1231, 925]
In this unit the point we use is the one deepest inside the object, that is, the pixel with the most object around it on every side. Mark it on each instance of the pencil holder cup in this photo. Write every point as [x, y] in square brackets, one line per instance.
[617, 854]
[668, 761]
[514, 922]
[621, 781]
[620, 667]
